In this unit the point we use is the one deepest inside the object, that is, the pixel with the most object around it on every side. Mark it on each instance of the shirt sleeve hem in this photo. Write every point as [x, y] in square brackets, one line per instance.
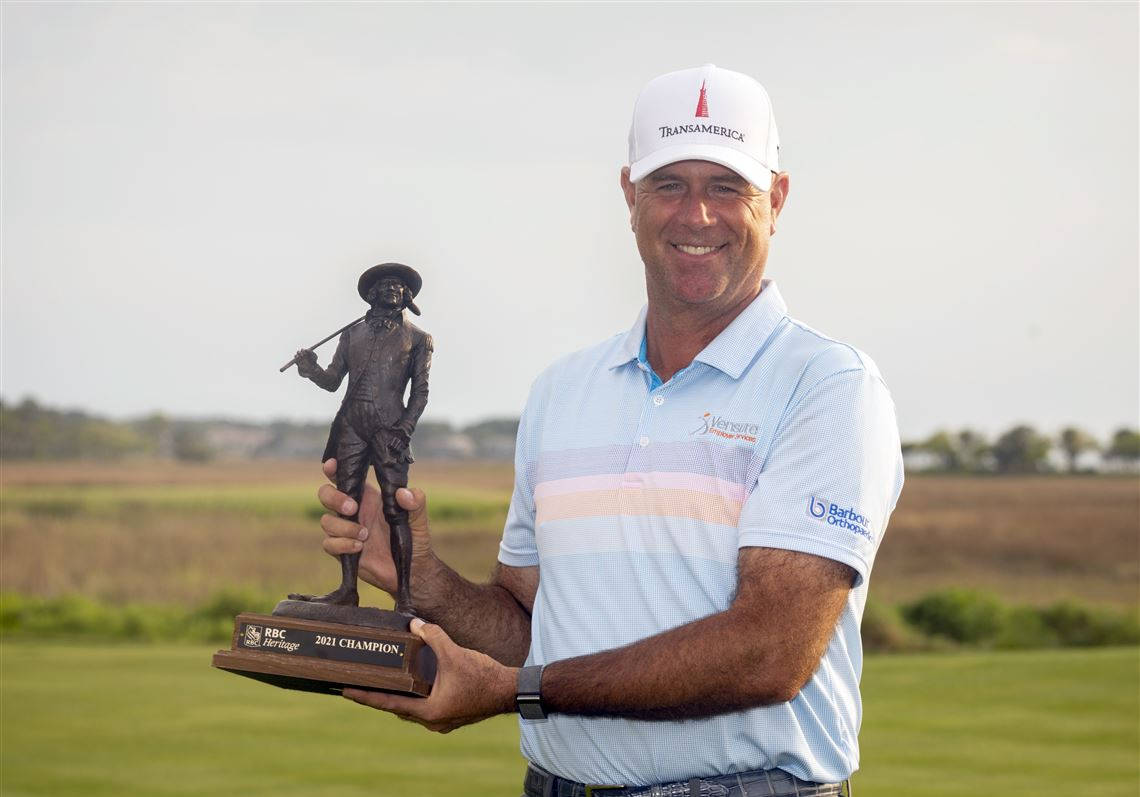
[773, 538]
[511, 559]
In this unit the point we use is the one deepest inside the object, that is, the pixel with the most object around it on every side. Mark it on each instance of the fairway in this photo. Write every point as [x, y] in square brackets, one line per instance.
[156, 719]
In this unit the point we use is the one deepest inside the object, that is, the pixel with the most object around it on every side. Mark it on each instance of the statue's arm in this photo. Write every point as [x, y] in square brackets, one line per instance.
[418, 396]
[331, 377]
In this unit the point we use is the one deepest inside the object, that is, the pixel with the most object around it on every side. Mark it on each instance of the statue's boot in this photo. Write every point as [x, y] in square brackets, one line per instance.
[345, 594]
[338, 597]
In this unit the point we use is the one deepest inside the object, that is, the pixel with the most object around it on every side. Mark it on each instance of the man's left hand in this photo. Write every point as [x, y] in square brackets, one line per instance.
[469, 687]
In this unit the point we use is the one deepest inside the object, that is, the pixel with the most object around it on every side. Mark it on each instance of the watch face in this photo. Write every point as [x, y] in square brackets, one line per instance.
[530, 707]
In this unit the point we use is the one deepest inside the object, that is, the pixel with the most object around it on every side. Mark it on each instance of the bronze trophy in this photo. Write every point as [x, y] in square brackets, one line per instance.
[324, 643]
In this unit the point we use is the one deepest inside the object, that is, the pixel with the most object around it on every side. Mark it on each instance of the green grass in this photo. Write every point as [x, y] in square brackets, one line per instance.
[111, 501]
[156, 719]
[980, 724]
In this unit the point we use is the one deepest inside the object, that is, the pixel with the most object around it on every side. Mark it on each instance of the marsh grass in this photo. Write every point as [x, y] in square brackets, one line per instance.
[177, 534]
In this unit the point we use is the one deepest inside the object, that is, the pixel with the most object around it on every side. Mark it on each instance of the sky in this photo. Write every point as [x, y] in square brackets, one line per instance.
[190, 191]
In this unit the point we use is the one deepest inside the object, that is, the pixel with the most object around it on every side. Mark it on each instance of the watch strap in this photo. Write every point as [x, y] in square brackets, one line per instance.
[528, 698]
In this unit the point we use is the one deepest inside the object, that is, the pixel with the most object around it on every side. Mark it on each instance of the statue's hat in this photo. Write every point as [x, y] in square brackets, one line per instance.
[408, 274]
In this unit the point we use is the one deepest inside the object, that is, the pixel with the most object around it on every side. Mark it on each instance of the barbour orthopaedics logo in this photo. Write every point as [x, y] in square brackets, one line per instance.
[834, 515]
[730, 430]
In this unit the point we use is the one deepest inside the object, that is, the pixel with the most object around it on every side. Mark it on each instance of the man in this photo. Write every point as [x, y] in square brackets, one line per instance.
[373, 427]
[697, 507]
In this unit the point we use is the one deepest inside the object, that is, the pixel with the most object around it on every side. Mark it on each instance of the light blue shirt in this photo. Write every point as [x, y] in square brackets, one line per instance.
[634, 498]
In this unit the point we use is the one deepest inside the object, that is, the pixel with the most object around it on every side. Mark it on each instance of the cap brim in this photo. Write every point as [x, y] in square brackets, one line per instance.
[746, 166]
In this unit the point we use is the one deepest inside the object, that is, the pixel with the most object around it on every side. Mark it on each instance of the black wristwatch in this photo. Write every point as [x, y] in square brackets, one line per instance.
[528, 699]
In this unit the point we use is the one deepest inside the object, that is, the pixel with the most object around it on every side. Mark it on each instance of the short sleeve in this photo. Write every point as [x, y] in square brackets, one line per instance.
[832, 475]
[518, 547]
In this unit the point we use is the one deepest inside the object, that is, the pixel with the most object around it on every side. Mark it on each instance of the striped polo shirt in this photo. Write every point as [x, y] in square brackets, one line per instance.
[634, 497]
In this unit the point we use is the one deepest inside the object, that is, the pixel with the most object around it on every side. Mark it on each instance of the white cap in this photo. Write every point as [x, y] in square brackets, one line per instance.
[706, 114]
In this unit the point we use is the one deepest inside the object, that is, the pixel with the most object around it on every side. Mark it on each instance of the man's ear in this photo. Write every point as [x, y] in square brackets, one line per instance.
[629, 190]
[778, 197]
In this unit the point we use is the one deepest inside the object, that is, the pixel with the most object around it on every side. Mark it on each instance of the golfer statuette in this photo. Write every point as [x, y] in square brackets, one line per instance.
[324, 642]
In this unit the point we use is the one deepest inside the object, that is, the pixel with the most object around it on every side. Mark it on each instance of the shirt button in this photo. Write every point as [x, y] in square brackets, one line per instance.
[658, 401]
[643, 442]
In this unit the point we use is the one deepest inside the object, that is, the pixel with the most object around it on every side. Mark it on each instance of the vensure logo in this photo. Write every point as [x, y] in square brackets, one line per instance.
[730, 430]
[834, 515]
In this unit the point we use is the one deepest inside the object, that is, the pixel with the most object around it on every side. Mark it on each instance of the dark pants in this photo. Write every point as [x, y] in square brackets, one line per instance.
[363, 441]
[760, 783]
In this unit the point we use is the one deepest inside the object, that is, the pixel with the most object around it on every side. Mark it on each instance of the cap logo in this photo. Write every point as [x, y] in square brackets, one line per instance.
[702, 103]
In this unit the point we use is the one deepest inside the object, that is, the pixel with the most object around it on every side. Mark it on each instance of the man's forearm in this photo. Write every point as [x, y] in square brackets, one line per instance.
[483, 617]
[701, 669]
[760, 651]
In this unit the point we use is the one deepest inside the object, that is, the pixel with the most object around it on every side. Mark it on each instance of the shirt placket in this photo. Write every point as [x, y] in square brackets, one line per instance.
[650, 427]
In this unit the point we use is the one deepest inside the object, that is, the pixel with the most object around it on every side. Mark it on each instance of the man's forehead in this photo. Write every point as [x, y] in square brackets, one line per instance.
[695, 168]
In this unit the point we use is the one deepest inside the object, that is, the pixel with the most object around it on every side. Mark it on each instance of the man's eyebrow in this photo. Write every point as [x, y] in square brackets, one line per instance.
[660, 176]
[730, 177]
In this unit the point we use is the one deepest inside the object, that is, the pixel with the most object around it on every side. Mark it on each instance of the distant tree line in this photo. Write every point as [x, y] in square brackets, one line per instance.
[1022, 449]
[29, 430]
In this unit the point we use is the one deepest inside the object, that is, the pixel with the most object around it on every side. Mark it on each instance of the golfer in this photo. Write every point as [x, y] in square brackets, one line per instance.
[697, 506]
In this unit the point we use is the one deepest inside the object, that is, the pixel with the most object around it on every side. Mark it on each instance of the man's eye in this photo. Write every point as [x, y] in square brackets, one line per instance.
[724, 190]
[670, 188]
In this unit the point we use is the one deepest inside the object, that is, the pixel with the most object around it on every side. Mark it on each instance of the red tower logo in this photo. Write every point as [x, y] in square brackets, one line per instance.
[702, 103]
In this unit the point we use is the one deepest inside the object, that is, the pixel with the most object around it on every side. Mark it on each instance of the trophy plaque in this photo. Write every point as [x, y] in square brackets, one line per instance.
[316, 656]
[325, 643]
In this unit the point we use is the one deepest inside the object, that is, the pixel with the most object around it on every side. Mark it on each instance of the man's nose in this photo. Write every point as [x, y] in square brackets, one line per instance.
[697, 211]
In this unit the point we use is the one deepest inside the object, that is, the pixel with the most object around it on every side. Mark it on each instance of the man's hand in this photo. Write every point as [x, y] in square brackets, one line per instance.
[369, 536]
[469, 687]
[400, 440]
[307, 363]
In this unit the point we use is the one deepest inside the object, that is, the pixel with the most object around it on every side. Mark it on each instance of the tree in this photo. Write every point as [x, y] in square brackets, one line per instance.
[1021, 450]
[974, 451]
[1075, 442]
[1125, 446]
[941, 446]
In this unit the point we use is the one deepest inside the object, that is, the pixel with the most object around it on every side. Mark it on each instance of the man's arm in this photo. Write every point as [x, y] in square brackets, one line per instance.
[327, 378]
[760, 651]
[493, 618]
[418, 394]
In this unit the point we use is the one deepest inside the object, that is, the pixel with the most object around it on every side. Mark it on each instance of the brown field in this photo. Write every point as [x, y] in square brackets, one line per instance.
[168, 532]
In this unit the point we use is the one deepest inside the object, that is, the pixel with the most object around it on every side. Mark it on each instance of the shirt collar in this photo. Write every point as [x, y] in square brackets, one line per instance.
[733, 349]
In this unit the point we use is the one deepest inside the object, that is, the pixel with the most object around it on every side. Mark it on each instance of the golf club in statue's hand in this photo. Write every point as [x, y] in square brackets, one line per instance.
[373, 427]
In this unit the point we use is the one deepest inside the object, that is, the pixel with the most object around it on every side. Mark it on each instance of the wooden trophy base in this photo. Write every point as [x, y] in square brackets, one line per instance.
[326, 655]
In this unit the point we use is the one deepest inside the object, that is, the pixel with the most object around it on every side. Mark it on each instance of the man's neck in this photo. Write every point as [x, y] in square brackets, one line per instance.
[385, 315]
[675, 336]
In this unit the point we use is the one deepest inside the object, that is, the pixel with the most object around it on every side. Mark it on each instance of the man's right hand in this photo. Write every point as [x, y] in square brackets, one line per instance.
[307, 363]
[369, 536]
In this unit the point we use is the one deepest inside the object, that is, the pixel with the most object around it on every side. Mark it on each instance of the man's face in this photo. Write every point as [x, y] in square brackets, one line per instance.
[702, 231]
[389, 292]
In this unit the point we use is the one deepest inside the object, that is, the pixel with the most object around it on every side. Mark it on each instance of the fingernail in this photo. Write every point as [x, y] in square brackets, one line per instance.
[362, 534]
[416, 624]
[356, 546]
[348, 507]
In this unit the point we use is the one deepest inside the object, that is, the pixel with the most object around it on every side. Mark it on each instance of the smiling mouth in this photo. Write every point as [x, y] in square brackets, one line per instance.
[691, 249]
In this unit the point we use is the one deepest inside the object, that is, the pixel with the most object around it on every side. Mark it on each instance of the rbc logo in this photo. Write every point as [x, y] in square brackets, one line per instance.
[816, 509]
[253, 636]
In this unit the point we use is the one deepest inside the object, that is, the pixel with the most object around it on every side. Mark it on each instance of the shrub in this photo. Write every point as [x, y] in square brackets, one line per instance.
[1080, 626]
[884, 631]
[964, 616]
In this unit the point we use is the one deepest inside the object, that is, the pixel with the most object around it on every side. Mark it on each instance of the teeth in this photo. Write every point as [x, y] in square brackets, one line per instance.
[696, 250]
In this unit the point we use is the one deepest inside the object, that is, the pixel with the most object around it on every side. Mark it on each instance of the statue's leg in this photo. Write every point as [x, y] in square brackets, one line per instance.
[351, 470]
[392, 475]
